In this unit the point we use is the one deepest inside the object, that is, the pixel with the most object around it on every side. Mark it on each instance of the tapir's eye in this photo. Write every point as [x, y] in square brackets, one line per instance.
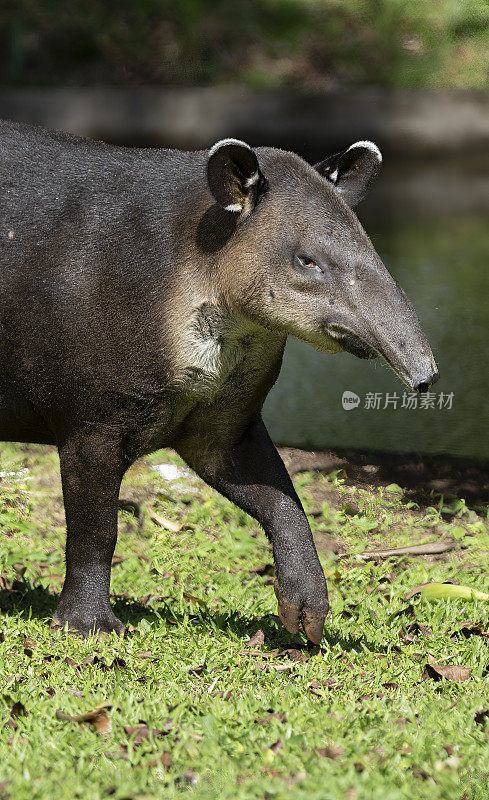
[308, 263]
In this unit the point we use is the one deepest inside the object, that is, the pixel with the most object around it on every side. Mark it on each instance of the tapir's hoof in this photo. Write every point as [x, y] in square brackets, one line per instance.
[88, 624]
[292, 616]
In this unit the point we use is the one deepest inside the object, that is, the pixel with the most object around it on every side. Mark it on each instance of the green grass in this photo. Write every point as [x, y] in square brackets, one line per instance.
[355, 720]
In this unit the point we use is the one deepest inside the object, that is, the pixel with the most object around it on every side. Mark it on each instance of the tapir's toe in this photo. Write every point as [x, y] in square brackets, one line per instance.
[288, 613]
[292, 616]
[87, 624]
[313, 626]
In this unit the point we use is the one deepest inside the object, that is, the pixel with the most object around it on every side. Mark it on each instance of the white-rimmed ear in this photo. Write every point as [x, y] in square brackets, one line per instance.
[234, 176]
[353, 170]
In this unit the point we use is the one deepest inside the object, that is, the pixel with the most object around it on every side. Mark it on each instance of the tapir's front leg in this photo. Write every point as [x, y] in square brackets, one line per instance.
[91, 471]
[252, 475]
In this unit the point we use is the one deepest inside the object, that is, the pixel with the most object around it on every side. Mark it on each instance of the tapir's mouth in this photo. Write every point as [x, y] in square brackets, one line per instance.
[357, 347]
[421, 380]
[351, 342]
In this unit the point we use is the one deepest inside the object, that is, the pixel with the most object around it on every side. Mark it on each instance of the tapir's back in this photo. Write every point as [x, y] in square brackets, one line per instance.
[86, 241]
[64, 195]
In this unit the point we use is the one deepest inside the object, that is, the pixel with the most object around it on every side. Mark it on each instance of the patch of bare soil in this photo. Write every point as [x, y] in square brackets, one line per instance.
[422, 479]
[419, 476]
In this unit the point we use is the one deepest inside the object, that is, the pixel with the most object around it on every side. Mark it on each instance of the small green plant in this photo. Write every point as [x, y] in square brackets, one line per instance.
[337, 477]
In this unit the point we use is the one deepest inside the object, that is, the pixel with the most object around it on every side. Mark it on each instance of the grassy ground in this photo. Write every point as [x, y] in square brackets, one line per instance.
[187, 705]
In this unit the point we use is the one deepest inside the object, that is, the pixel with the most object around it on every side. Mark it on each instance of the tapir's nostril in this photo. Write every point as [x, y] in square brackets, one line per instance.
[425, 384]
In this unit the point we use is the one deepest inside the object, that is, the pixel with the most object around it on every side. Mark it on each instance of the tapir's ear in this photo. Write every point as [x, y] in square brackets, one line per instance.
[353, 170]
[234, 176]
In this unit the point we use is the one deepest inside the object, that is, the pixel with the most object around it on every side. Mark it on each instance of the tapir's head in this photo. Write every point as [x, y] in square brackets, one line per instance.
[298, 261]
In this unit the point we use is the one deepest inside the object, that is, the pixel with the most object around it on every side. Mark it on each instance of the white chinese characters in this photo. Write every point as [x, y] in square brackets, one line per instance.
[409, 401]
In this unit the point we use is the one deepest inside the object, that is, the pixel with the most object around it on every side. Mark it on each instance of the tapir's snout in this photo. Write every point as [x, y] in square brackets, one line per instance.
[400, 339]
[414, 364]
[417, 369]
[379, 320]
[424, 384]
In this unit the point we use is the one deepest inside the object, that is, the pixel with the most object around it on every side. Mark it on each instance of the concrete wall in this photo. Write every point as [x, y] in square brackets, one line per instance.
[423, 122]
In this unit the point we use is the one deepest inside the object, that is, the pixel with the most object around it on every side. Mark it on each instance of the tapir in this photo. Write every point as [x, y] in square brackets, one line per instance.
[146, 296]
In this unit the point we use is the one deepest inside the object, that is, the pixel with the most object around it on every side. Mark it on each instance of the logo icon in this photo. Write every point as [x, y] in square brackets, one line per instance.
[349, 400]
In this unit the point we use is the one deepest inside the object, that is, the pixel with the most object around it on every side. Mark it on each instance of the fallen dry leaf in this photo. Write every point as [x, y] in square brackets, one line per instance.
[315, 686]
[142, 732]
[175, 527]
[294, 654]
[120, 754]
[118, 559]
[408, 633]
[190, 598]
[16, 740]
[197, 670]
[418, 772]
[414, 628]
[466, 631]
[266, 666]
[370, 696]
[17, 709]
[330, 751]
[267, 719]
[189, 777]
[164, 760]
[405, 637]
[98, 718]
[254, 654]
[380, 752]
[450, 672]
[259, 653]
[257, 640]
[118, 663]
[246, 776]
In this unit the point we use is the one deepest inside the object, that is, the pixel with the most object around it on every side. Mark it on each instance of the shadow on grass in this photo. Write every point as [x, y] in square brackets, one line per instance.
[27, 599]
[422, 478]
[36, 601]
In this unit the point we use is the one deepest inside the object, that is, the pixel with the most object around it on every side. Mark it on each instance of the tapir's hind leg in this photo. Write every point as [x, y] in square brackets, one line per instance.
[92, 467]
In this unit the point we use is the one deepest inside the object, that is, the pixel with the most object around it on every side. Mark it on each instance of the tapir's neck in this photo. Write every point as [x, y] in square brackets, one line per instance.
[211, 344]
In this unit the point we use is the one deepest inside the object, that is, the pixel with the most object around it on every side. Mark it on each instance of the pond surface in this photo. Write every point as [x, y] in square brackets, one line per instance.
[430, 226]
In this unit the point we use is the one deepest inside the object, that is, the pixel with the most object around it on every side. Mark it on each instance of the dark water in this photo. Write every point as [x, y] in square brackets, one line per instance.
[432, 232]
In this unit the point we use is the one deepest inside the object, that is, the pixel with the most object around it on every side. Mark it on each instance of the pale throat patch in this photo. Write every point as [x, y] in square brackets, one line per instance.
[215, 343]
